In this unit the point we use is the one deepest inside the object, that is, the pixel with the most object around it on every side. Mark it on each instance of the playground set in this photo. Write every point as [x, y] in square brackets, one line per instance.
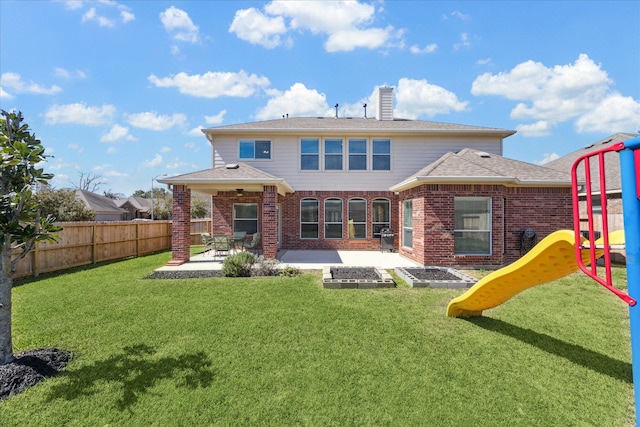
[567, 251]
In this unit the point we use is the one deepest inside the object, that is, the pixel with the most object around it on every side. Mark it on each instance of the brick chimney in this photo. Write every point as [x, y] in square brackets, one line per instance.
[385, 103]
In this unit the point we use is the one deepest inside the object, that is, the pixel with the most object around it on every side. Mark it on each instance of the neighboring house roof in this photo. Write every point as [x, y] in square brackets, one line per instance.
[138, 203]
[348, 124]
[477, 167]
[611, 159]
[229, 178]
[101, 205]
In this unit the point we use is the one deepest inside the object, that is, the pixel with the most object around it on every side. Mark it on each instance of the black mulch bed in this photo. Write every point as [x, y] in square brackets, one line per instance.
[359, 273]
[431, 274]
[29, 368]
[199, 274]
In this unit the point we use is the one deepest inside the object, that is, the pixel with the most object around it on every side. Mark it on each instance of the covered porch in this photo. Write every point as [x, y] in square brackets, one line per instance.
[232, 182]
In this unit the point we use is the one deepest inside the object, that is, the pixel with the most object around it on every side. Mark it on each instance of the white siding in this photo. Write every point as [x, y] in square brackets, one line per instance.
[408, 156]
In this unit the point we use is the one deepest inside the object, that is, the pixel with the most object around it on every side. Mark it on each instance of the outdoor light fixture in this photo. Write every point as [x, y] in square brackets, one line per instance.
[239, 192]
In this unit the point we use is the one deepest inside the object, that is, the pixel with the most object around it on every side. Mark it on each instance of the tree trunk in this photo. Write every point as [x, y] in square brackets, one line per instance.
[6, 282]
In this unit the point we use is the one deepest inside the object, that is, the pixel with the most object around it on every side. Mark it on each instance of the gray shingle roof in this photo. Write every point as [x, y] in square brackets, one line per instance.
[473, 166]
[228, 177]
[345, 124]
[611, 165]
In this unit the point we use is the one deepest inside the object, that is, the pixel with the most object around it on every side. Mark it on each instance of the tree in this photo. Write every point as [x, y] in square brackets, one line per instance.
[21, 225]
[63, 205]
[113, 195]
[200, 205]
[88, 181]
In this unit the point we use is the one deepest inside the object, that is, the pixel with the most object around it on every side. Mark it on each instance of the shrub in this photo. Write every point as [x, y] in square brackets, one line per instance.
[238, 265]
[266, 267]
[290, 271]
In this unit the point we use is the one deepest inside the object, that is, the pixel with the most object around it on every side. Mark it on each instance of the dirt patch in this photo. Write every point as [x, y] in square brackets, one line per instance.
[431, 274]
[29, 368]
[354, 273]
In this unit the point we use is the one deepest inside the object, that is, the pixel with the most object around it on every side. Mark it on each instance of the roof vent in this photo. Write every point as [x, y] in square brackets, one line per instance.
[483, 154]
[232, 166]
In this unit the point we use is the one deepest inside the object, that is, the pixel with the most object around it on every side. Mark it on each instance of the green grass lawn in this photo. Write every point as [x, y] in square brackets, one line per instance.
[284, 351]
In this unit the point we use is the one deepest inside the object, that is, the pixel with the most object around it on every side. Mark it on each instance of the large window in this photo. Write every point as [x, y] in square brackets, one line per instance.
[381, 155]
[309, 154]
[357, 219]
[245, 217]
[357, 154]
[333, 154]
[407, 224]
[472, 226]
[333, 219]
[381, 216]
[250, 149]
[308, 219]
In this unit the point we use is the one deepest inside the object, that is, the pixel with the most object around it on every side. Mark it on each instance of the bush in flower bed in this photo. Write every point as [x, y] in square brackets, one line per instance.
[238, 265]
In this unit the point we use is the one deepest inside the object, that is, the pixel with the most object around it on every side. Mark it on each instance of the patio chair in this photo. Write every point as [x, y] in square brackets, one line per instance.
[221, 245]
[207, 241]
[252, 245]
[238, 239]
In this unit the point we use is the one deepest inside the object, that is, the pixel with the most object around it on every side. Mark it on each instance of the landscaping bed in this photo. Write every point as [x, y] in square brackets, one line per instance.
[356, 278]
[435, 277]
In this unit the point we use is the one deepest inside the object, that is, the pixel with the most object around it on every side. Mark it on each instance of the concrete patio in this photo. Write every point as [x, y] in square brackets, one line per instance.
[307, 260]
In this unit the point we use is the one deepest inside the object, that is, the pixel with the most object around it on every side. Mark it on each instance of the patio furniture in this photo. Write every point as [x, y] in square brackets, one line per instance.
[207, 241]
[252, 245]
[239, 239]
[221, 244]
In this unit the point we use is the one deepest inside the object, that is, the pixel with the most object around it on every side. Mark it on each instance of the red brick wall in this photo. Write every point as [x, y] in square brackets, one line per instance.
[181, 225]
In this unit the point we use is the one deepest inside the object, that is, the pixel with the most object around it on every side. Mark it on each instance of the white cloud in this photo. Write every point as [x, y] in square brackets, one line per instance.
[580, 91]
[152, 121]
[540, 128]
[419, 97]
[116, 133]
[4, 94]
[101, 12]
[165, 149]
[127, 16]
[156, 161]
[546, 158]
[461, 16]
[430, 48]
[73, 4]
[76, 147]
[214, 84]
[257, 28]
[615, 113]
[92, 15]
[177, 164]
[196, 131]
[14, 81]
[296, 101]
[346, 24]
[217, 119]
[66, 74]
[178, 23]
[464, 42]
[80, 113]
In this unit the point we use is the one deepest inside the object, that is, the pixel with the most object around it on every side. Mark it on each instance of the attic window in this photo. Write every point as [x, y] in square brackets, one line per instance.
[232, 166]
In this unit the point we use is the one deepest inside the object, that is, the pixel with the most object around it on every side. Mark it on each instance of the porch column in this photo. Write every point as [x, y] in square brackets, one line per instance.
[181, 225]
[269, 222]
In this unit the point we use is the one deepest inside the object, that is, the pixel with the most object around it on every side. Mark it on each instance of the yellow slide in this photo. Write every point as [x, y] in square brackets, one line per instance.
[551, 259]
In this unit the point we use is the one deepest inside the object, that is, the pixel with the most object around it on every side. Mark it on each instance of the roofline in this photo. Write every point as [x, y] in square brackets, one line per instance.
[415, 181]
[504, 133]
[283, 186]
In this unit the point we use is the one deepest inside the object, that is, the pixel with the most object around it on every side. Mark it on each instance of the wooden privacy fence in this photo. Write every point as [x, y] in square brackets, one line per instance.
[85, 243]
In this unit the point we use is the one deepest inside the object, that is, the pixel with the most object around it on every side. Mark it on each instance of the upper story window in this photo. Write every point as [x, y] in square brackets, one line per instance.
[310, 154]
[254, 149]
[333, 154]
[381, 155]
[357, 154]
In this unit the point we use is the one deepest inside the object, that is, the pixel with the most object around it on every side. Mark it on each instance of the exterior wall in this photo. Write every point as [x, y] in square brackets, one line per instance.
[513, 210]
[181, 225]
[408, 156]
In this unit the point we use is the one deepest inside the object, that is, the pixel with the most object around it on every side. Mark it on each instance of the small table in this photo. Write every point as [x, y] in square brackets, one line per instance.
[238, 240]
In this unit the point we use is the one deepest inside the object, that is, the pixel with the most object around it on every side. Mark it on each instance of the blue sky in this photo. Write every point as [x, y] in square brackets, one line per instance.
[121, 89]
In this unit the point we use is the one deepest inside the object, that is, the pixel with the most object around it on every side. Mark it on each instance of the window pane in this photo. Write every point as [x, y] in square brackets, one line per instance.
[472, 213]
[309, 231]
[263, 149]
[381, 163]
[472, 243]
[407, 221]
[407, 237]
[381, 210]
[309, 162]
[333, 210]
[309, 146]
[358, 210]
[333, 231]
[333, 146]
[249, 210]
[246, 150]
[309, 211]
[381, 146]
[357, 231]
[357, 162]
[357, 146]
[333, 162]
[250, 226]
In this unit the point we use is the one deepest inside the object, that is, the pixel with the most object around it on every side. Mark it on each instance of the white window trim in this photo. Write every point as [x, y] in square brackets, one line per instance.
[257, 218]
[403, 226]
[254, 159]
[341, 222]
[345, 155]
[364, 201]
[373, 223]
[307, 222]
